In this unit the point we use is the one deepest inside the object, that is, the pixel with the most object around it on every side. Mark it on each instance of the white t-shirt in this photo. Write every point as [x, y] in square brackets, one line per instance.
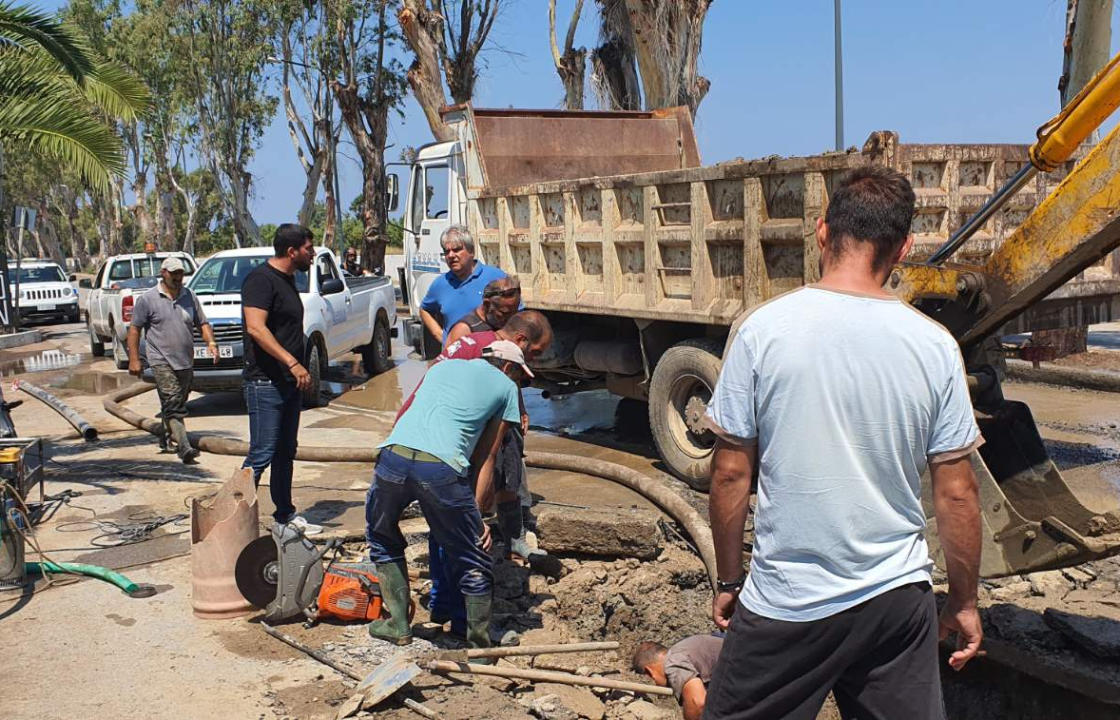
[849, 397]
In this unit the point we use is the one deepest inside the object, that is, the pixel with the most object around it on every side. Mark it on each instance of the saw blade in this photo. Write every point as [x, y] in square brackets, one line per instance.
[257, 571]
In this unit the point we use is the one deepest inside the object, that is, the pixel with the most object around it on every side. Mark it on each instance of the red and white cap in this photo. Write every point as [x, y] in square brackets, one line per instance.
[506, 350]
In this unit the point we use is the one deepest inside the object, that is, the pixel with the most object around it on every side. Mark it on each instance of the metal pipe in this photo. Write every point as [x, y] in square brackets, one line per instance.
[995, 202]
[87, 431]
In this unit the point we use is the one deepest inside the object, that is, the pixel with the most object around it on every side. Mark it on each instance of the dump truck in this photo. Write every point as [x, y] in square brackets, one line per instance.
[643, 259]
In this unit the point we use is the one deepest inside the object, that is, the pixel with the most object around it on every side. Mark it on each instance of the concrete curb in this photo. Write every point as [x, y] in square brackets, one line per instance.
[26, 337]
[1083, 378]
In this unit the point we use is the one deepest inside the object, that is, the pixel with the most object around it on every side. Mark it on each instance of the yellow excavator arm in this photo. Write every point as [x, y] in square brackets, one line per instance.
[1032, 518]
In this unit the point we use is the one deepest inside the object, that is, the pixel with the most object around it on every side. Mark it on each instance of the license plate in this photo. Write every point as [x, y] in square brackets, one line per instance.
[203, 353]
[46, 308]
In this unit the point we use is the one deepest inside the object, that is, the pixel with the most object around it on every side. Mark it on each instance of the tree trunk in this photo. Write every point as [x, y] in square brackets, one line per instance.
[139, 208]
[423, 29]
[613, 70]
[368, 126]
[78, 248]
[247, 233]
[116, 220]
[165, 200]
[666, 38]
[571, 64]
[331, 231]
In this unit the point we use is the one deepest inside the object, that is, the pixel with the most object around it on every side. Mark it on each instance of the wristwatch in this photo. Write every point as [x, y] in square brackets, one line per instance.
[732, 586]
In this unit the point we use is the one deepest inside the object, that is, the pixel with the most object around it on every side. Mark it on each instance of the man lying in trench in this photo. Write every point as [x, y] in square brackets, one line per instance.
[686, 667]
[455, 422]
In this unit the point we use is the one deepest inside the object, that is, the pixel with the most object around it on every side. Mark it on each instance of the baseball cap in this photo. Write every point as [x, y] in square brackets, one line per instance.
[506, 350]
[172, 264]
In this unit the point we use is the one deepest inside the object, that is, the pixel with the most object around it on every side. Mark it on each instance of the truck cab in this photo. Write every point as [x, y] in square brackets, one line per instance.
[435, 200]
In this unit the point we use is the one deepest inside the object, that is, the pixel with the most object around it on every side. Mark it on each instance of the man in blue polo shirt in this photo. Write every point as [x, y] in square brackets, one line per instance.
[458, 291]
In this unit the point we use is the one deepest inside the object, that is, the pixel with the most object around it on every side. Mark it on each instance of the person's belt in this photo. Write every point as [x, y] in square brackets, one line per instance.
[410, 454]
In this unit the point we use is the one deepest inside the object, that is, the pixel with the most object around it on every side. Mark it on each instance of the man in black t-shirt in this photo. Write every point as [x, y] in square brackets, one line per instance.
[272, 313]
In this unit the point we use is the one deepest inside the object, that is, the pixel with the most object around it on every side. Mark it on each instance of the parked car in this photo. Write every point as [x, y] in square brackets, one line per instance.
[45, 291]
[341, 314]
[112, 294]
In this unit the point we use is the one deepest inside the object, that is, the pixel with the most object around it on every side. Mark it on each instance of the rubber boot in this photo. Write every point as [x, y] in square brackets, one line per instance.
[393, 578]
[478, 625]
[511, 523]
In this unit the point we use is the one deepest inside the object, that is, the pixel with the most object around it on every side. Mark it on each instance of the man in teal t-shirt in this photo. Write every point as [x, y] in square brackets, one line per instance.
[456, 422]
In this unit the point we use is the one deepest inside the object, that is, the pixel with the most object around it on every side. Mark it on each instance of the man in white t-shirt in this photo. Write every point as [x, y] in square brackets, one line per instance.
[840, 396]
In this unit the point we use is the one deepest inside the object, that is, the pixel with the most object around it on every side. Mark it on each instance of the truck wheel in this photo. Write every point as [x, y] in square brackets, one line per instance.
[376, 355]
[679, 391]
[120, 355]
[96, 345]
[311, 397]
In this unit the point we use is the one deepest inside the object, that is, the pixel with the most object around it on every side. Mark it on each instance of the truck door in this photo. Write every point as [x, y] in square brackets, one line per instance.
[337, 307]
[429, 211]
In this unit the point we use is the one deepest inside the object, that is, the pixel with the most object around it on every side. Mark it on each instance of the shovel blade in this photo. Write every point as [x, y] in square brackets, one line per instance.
[389, 677]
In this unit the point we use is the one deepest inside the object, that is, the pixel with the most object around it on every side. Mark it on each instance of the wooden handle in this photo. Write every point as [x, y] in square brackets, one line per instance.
[540, 649]
[420, 709]
[446, 666]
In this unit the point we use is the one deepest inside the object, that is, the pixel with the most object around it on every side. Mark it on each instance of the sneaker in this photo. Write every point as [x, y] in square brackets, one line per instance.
[300, 523]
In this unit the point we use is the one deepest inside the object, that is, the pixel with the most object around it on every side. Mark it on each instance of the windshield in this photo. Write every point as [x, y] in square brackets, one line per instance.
[144, 267]
[221, 276]
[48, 273]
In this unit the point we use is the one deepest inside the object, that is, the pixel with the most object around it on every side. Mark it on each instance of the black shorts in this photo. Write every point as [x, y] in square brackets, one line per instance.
[879, 658]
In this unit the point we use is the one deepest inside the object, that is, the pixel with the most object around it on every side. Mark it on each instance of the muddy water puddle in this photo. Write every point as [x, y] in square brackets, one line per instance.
[44, 361]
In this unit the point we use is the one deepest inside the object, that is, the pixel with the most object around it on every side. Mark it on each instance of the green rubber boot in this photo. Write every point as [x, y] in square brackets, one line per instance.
[393, 578]
[478, 625]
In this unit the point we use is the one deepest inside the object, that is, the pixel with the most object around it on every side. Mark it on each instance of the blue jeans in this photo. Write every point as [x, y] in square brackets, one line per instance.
[445, 599]
[447, 501]
[273, 431]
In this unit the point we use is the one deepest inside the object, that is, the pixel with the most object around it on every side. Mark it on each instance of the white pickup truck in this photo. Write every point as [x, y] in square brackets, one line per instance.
[341, 314]
[45, 291]
[112, 294]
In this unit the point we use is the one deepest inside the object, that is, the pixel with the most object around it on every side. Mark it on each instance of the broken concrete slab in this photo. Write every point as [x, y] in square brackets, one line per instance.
[645, 710]
[1049, 584]
[1079, 577]
[1011, 592]
[549, 707]
[610, 532]
[1096, 631]
[579, 700]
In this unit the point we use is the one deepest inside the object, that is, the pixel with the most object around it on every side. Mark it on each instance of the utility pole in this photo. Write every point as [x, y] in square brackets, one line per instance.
[839, 67]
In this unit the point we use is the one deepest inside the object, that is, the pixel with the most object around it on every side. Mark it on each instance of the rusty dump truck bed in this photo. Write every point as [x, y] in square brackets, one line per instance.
[669, 239]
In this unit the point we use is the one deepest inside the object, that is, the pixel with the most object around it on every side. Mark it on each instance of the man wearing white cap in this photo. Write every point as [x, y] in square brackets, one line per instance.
[167, 314]
[454, 425]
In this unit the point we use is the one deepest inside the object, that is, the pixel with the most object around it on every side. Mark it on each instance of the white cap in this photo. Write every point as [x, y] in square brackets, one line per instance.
[506, 350]
[172, 264]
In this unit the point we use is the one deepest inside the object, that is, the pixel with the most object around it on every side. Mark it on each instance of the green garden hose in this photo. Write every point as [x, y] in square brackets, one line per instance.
[101, 573]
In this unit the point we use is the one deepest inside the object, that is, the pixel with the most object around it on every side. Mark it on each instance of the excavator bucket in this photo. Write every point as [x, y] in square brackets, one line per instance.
[1032, 519]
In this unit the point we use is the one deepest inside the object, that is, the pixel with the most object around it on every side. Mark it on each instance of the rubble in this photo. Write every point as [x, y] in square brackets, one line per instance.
[610, 532]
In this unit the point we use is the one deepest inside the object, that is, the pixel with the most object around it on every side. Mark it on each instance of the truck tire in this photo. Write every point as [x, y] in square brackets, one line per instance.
[96, 344]
[377, 356]
[311, 396]
[679, 391]
[120, 354]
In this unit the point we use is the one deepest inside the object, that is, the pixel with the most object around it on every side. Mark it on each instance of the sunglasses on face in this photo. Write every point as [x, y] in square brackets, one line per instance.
[503, 293]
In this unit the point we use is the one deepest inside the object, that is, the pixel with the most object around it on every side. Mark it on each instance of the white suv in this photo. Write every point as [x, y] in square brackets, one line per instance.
[45, 291]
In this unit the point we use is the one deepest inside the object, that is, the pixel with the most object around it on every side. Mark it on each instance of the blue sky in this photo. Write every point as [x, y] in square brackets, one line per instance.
[946, 71]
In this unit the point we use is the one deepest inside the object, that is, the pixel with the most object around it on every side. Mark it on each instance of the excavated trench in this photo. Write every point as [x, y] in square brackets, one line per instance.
[1036, 667]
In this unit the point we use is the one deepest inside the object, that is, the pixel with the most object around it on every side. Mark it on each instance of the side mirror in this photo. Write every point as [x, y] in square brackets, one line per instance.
[84, 283]
[73, 278]
[331, 286]
[392, 191]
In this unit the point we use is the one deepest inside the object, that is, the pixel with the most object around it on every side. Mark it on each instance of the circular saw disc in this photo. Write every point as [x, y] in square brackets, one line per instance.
[256, 571]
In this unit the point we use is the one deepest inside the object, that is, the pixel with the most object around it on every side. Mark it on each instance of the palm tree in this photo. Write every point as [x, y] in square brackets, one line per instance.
[60, 101]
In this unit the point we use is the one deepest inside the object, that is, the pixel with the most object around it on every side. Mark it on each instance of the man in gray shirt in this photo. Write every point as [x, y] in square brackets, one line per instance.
[686, 667]
[167, 314]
